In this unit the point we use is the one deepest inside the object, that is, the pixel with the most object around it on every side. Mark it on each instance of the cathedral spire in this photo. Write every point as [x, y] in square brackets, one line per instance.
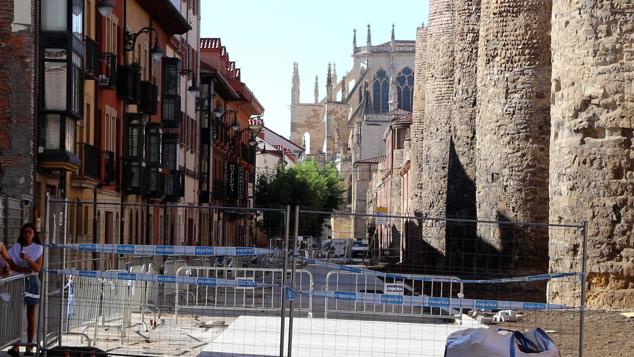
[316, 89]
[369, 36]
[295, 89]
[344, 89]
[393, 38]
[329, 83]
[354, 40]
[334, 74]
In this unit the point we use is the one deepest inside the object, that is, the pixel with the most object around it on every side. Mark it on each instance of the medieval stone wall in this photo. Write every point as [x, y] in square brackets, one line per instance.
[591, 149]
[513, 125]
[437, 119]
[308, 118]
[418, 115]
[462, 159]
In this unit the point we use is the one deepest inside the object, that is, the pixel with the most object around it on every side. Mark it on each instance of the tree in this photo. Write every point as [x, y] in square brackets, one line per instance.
[309, 185]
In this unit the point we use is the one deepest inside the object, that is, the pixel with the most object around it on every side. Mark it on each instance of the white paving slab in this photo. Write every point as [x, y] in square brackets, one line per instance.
[260, 336]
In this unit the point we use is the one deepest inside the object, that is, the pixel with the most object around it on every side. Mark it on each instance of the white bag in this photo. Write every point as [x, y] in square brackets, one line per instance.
[495, 342]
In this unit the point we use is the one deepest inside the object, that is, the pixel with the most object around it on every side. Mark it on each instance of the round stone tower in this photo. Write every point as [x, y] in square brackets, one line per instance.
[513, 129]
[591, 147]
[439, 93]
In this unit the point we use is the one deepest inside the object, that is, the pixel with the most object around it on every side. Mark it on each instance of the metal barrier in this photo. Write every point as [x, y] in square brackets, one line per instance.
[114, 305]
[387, 297]
[82, 306]
[265, 298]
[11, 310]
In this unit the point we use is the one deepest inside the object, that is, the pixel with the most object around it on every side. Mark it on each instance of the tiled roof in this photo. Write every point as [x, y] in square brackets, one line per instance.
[372, 160]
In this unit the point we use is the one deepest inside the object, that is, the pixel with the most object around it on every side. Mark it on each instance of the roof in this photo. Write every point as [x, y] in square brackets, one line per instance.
[275, 139]
[168, 17]
[372, 160]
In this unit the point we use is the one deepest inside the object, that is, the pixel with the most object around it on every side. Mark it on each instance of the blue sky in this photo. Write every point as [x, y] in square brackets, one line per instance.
[265, 37]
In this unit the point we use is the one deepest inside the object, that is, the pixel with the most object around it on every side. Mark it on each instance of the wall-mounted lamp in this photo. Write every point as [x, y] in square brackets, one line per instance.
[105, 7]
[194, 90]
[130, 41]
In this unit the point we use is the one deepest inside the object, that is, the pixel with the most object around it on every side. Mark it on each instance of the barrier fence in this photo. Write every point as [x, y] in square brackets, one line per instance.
[11, 306]
[400, 288]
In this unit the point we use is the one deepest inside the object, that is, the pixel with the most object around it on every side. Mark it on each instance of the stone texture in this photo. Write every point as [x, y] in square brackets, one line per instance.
[513, 127]
[462, 160]
[418, 116]
[439, 91]
[591, 148]
[17, 103]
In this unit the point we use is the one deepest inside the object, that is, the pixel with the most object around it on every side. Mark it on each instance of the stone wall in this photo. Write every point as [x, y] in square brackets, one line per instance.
[591, 148]
[462, 159]
[439, 91]
[17, 118]
[418, 116]
[308, 118]
[513, 127]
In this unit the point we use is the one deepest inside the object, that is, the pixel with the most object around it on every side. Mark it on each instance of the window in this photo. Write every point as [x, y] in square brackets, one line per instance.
[405, 88]
[55, 74]
[54, 15]
[170, 152]
[153, 144]
[77, 82]
[70, 135]
[53, 132]
[380, 92]
[134, 132]
[78, 18]
[171, 76]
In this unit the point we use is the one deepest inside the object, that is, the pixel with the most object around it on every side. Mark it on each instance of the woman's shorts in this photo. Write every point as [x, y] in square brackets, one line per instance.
[32, 290]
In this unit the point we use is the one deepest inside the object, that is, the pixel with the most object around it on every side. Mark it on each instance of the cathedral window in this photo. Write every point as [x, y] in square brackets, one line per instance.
[405, 88]
[380, 92]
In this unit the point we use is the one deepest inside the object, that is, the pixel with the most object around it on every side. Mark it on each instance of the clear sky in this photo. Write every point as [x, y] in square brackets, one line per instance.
[265, 37]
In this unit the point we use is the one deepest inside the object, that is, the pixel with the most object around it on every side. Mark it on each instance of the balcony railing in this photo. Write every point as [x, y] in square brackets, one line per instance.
[91, 65]
[107, 77]
[90, 161]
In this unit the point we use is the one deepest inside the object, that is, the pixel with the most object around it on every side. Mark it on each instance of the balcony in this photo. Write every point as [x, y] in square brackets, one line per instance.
[129, 83]
[90, 161]
[171, 112]
[174, 184]
[110, 164]
[133, 176]
[148, 101]
[91, 61]
[107, 77]
[155, 182]
[167, 15]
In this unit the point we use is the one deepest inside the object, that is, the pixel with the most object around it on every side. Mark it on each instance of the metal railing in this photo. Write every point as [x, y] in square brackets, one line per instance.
[404, 300]
[11, 309]
[267, 296]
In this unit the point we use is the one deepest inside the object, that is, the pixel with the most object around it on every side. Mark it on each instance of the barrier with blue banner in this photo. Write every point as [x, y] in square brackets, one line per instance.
[439, 302]
[438, 279]
[405, 300]
[165, 250]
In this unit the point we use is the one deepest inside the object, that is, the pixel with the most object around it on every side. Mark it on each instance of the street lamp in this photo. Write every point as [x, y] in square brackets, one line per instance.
[194, 90]
[130, 41]
[105, 7]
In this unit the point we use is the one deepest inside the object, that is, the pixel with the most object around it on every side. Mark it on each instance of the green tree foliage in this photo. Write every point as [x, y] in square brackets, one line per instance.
[308, 185]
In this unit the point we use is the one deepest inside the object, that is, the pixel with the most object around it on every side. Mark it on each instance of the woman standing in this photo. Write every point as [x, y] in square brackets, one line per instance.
[26, 258]
[4, 261]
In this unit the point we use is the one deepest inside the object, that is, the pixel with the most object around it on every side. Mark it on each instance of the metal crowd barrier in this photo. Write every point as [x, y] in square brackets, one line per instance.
[266, 297]
[388, 295]
[11, 309]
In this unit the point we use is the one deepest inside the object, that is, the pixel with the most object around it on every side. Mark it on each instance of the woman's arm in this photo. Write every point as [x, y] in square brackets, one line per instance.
[36, 266]
[4, 254]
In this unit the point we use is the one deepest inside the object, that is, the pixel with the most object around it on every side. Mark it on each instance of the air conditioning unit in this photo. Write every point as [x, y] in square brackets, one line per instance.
[104, 80]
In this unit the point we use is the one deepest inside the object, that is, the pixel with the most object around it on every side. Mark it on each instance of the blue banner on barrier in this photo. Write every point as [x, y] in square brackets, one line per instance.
[386, 299]
[165, 250]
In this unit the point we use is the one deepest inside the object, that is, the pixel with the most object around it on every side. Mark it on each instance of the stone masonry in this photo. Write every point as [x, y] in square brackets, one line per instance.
[591, 148]
[462, 159]
[513, 126]
[418, 115]
[17, 93]
[439, 94]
